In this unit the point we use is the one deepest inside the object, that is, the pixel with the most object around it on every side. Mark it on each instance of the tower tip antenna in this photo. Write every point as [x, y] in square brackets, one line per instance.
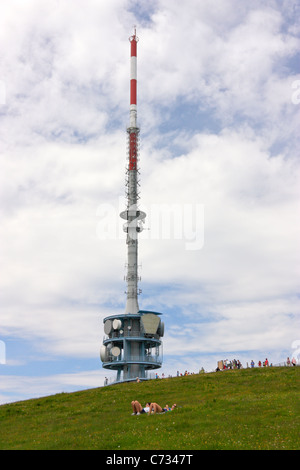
[134, 36]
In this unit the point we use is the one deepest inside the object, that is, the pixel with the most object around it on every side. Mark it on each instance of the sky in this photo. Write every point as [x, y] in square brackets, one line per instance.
[218, 109]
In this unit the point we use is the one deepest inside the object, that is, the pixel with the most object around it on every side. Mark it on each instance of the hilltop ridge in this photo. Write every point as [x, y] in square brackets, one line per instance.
[238, 409]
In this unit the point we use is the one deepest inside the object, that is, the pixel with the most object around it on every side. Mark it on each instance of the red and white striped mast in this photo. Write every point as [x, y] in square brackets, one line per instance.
[132, 214]
[133, 80]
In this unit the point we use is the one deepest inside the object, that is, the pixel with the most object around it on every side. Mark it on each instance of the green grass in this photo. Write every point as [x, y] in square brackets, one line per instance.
[239, 409]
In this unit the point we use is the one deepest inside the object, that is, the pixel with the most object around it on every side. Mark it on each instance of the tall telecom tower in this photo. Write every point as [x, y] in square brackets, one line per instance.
[132, 344]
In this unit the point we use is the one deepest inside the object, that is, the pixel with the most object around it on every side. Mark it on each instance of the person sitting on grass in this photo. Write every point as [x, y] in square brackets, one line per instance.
[155, 408]
[137, 408]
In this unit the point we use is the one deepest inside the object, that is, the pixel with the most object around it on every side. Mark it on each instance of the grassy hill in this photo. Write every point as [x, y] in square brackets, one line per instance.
[239, 409]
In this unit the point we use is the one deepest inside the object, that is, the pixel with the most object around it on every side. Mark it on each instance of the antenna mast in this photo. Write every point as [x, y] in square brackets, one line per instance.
[132, 345]
[133, 216]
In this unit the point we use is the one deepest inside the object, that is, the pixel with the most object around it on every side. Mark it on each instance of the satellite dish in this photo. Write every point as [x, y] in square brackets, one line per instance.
[116, 351]
[150, 323]
[161, 329]
[103, 353]
[117, 324]
[107, 327]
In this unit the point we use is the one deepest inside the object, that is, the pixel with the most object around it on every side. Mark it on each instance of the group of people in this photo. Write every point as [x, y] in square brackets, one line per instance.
[180, 374]
[292, 362]
[226, 364]
[265, 363]
[150, 408]
[236, 364]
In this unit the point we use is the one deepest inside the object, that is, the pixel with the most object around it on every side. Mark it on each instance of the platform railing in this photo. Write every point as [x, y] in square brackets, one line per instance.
[152, 359]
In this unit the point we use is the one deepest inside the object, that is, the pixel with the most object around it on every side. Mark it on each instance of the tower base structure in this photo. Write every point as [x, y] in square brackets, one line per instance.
[132, 345]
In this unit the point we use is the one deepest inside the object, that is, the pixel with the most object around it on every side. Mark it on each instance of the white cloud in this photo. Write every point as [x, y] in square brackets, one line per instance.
[239, 290]
[228, 66]
[245, 193]
[25, 387]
